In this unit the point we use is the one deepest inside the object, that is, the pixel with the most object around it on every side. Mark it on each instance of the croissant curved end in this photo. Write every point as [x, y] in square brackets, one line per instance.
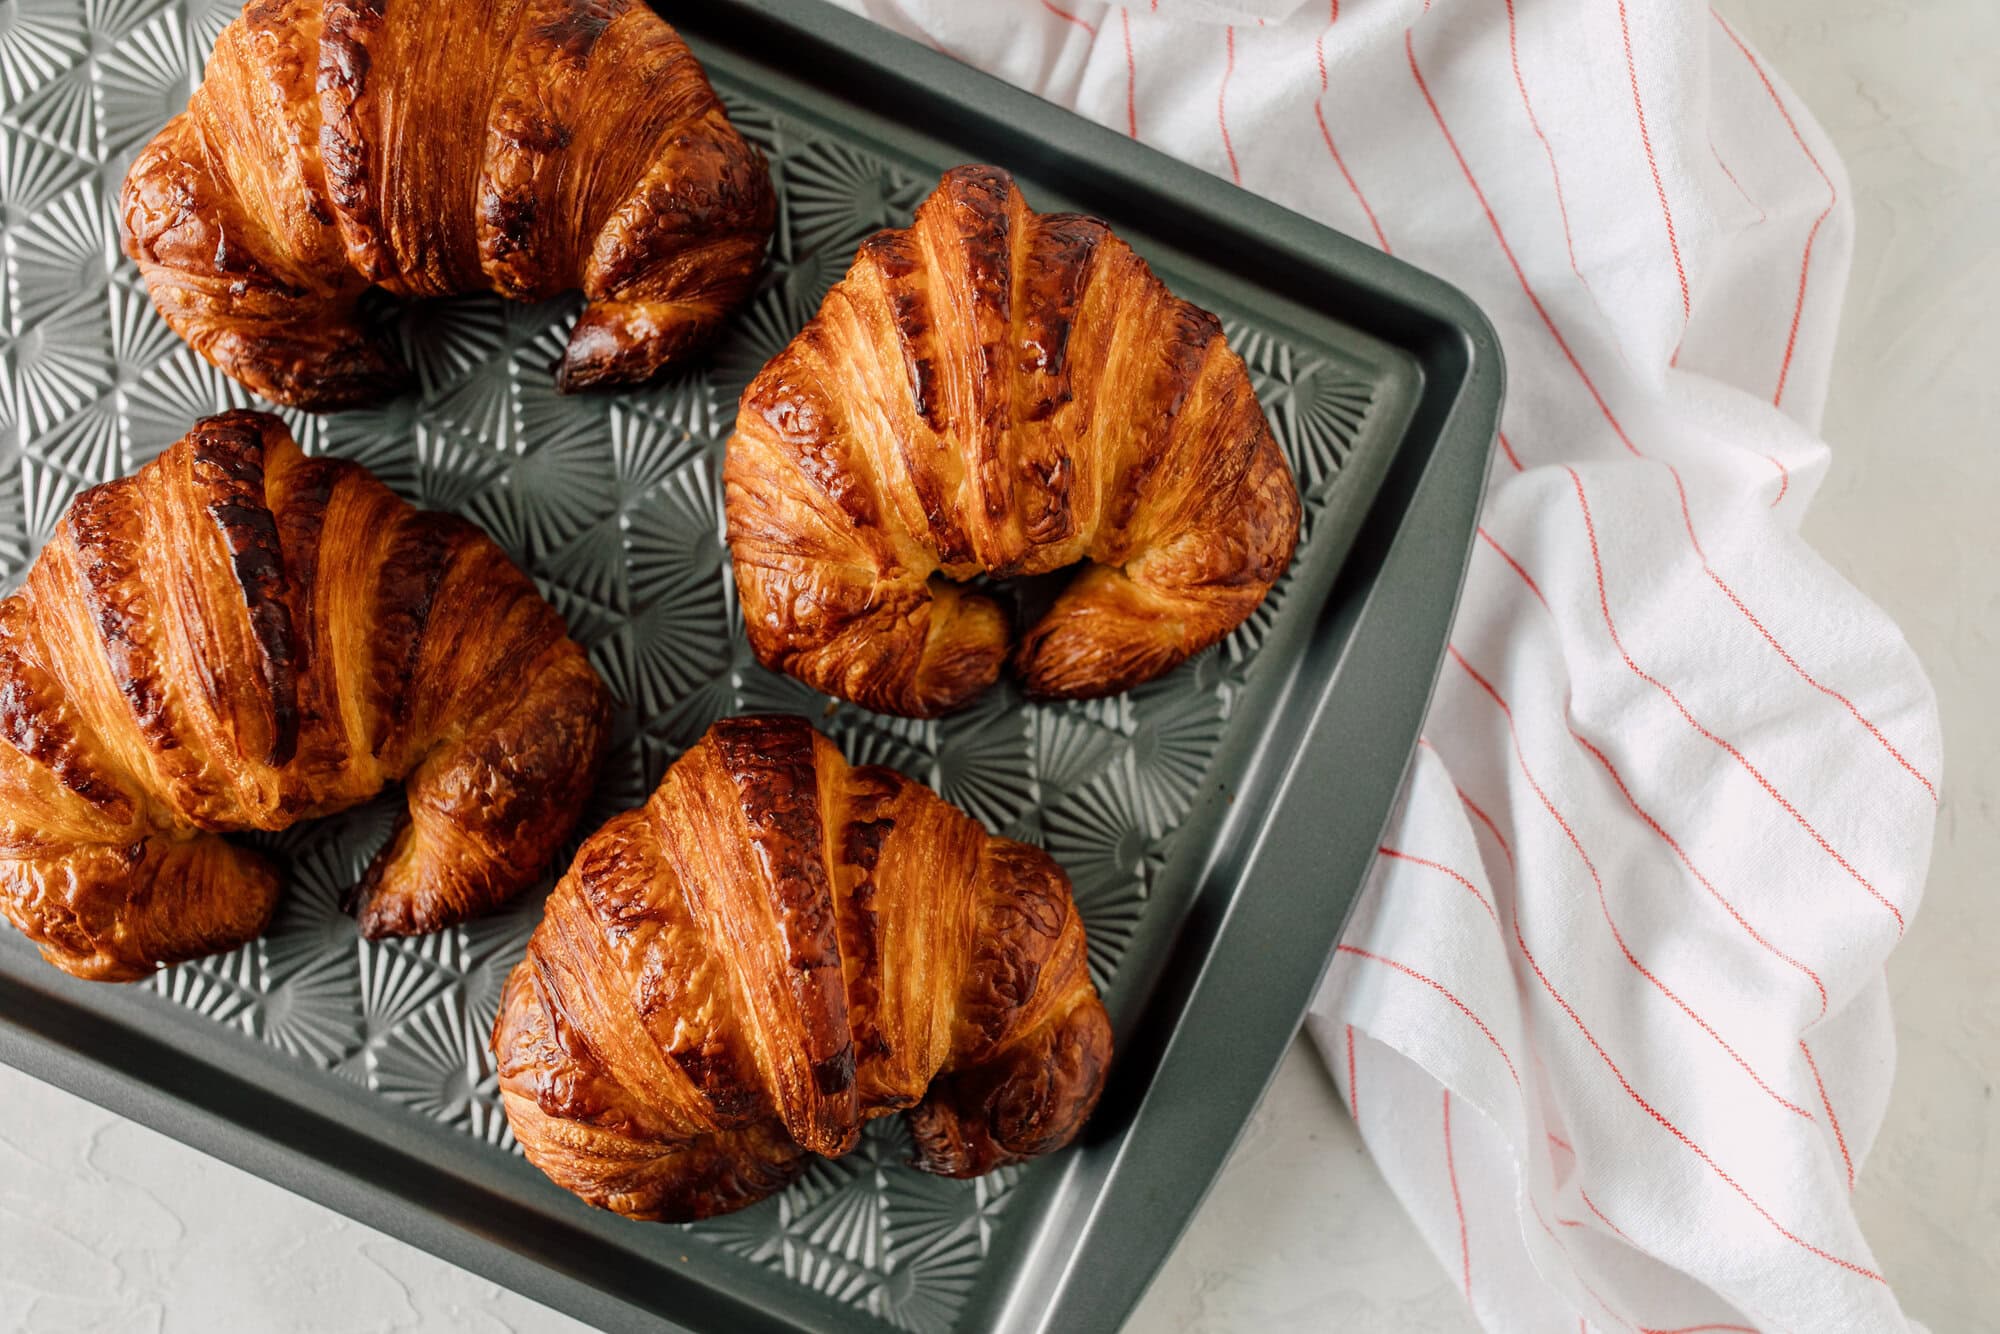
[119, 914]
[1031, 1103]
[995, 390]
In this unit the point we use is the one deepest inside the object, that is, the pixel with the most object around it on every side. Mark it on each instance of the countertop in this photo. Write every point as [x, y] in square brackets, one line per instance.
[107, 1226]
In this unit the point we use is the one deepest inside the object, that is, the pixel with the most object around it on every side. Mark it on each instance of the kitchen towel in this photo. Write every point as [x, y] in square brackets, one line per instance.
[1610, 1013]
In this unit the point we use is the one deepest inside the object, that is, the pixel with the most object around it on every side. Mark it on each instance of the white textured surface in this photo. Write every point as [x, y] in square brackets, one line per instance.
[109, 1228]
[106, 1226]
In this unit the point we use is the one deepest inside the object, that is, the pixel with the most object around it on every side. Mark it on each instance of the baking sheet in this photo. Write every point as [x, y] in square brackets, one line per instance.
[358, 1072]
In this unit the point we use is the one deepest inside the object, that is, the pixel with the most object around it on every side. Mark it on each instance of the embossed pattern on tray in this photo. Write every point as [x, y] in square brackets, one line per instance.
[614, 503]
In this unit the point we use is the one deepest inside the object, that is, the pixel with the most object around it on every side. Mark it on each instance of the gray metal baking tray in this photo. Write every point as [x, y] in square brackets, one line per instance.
[1217, 823]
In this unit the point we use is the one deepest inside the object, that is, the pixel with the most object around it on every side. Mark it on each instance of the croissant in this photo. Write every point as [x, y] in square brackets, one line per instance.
[1001, 391]
[775, 948]
[240, 637]
[525, 147]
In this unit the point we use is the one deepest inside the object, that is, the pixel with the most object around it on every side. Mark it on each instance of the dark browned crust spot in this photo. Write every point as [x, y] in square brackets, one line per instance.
[871, 795]
[834, 1075]
[346, 29]
[227, 454]
[1057, 271]
[1057, 266]
[732, 1099]
[563, 1035]
[770, 760]
[527, 131]
[861, 841]
[511, 216]
[895, 255]
[421, 552]
[978, 197]
[105, 524]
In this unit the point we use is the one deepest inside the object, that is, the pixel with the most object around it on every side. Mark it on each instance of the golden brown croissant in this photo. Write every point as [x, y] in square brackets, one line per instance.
[1002, 391]
[775, 948]
[430, 147]
[241, 637]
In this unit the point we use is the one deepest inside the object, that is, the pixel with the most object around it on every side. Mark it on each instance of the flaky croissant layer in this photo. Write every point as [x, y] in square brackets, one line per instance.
[995, 390]
[775, 948]
[432, 147]
[241, 637]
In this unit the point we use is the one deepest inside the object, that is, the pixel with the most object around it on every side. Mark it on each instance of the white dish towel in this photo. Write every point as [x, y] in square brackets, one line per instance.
[1611, 1012]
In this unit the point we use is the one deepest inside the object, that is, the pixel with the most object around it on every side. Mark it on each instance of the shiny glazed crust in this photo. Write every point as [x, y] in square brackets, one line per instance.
[525, 147]
[1001, 391]
[241, 637]
[775, 948]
